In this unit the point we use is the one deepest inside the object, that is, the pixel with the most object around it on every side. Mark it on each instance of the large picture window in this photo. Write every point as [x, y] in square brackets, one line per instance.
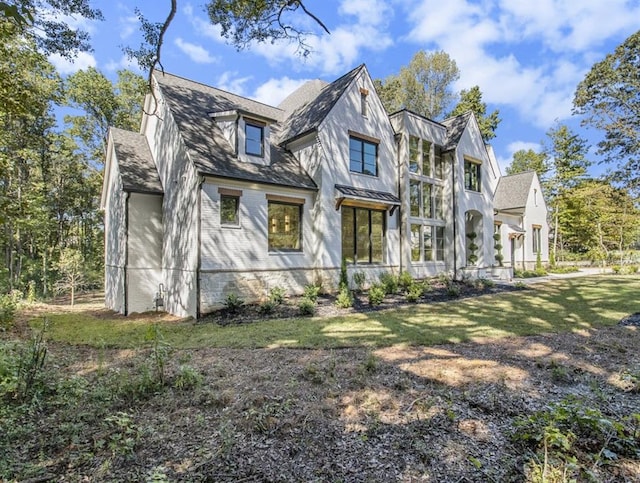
[363, 156]
[427, 243]
[253, 139]
[472, 175]
[285, 226]
[363, 233]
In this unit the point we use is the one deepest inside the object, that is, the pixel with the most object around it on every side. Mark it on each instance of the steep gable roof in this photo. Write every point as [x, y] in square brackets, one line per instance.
[191, 104]
[304, 94]
[136, 166]
[512, 191]
[309, 116]
[455, 129]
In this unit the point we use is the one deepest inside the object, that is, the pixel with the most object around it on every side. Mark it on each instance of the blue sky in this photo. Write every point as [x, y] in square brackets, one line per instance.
[526, 56]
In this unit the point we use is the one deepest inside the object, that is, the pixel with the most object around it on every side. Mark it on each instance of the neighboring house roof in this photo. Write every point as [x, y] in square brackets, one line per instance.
[455, 128]
[512, 191]
[191, 104]
[308, 117]
[136, 166]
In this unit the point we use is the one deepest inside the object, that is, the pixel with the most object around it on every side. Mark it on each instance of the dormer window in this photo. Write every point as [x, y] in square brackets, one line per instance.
[254, 138]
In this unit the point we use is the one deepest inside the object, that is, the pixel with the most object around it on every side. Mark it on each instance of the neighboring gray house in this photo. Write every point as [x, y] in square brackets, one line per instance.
[220, 194]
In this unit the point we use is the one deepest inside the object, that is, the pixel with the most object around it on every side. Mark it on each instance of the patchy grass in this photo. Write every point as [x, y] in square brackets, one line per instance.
[553, 307]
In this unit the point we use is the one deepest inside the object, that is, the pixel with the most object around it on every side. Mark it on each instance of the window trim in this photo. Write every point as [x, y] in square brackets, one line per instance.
[286, 201]
[364, 139]
[475, 182]
[230, 194]
[257, 125]
[356, 260]
[536, 235]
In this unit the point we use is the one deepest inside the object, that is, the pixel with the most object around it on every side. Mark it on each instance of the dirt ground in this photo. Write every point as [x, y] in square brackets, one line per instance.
[434, 414]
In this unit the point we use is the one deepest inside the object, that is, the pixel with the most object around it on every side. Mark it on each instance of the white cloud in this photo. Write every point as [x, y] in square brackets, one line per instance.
[274, 91]
[128, 25]
[123, 63]
[511, 148]
[228, 81]
[342, 49]
[65, 66]
[195, 52]
[202, 25]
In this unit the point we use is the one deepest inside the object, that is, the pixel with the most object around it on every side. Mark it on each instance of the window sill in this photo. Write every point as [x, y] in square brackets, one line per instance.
[227, 226]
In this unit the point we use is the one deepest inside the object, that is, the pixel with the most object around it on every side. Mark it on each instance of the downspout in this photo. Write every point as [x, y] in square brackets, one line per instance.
[400, 210]
[126, 255]
[198, 248]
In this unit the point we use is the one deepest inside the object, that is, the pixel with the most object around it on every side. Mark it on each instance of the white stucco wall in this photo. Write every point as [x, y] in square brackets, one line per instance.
[180, 214]
[144, 270]
[115, 237]
[536, 214]
[333, 151]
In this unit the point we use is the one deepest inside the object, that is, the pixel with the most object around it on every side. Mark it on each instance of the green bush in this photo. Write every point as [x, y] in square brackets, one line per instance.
[359, 279]
[267, 307]
[414, 292]
[187, 378]
[344, 299]
[306, 306]
[405, 280]
[453, 290]
[389, 282]
[232, 303]
[311, 292]
[376, 294]
[276, 295]
[8, 307]
[344, 276]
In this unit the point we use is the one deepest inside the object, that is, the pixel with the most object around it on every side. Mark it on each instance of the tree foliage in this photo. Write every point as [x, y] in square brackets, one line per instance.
[567, 152]
[609, 98]
[44, 23]
[471, 100]
[528, 160]
[423, 86]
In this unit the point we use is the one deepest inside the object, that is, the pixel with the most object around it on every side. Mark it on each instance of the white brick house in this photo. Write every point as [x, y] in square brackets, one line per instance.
[220, 194]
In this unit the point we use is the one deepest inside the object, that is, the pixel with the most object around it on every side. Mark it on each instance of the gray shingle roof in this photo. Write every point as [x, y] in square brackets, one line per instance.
[302, 95]
[191, 103]
[455, 128]
[512, 191]
[309, 116]
[137, 169]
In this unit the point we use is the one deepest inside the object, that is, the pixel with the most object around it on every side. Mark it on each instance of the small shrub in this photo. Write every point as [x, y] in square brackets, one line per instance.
[359, 280]
[539, 267]
[161, 350]
[344, 300]
[453, 290]
[414, 292]
[520, 285]
[405, 280]
[267, 307]
[276, 295]
[632, 269]
[123, 433]
[187, 378]
[344, 276]
[306, 306]
[311, 292]
[389, 282]
[232, 303]
[376, 294]
[486, 283]
[472, 259]
[616, 269]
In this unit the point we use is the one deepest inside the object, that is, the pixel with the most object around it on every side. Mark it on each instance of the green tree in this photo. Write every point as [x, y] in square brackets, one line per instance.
[72, 273]
[38, 20]
[567, 152]
[609, 98]
[423, 86]
[597, 217]
[528, 160]
[471, 100]
[102, 104]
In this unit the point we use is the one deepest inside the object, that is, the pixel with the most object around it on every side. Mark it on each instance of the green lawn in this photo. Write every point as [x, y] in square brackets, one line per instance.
[558, 306]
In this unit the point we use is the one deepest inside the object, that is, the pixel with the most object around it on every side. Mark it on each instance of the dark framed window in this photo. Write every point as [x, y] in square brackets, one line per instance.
[537, 240]
[363, 156]
[439, 242]
[285, 227]
[472, 175]
[438, 163]
[253, 139]
[414, 197]
[426, 158]
[229, 208]
[414, 154]
[363, 233]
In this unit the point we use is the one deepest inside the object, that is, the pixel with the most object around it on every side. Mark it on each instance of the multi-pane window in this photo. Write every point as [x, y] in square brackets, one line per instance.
[426, 158]
[472, 175]
[427, 243]
[253, 139]
[285, 226]
[229, 206]
[438, 163]
[362, 235]
[537, 240]
[425, 200]
[363, 156]
[414, 154]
